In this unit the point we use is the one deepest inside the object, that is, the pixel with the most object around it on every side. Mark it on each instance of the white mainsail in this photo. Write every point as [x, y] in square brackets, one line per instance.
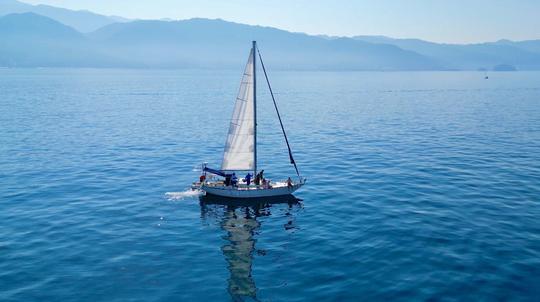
[240, 145]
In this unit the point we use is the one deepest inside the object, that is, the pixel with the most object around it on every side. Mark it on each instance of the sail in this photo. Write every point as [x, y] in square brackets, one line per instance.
[240, 145]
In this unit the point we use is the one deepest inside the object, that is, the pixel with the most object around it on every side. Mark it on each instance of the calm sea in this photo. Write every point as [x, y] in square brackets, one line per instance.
[421, 186]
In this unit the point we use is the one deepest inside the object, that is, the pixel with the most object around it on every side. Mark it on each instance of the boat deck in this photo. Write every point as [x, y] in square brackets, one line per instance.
[241, 186]
[245, 191]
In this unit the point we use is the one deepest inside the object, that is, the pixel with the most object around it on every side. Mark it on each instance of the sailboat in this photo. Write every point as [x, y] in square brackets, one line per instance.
[240, 154]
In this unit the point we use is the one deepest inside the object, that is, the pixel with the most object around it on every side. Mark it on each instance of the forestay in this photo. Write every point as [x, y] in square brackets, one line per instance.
[240, 145]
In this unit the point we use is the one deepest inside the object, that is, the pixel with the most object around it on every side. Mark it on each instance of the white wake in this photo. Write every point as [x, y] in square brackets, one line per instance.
[172, 196]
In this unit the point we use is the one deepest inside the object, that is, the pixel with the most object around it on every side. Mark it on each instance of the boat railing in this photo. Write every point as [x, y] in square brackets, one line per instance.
[252, 186]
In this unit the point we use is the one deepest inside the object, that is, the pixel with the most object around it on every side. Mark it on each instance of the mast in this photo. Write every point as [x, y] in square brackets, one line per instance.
[253, 51]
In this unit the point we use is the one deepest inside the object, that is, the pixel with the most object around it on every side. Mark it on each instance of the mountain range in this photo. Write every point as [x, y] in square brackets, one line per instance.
[522, 54]
[46, 36]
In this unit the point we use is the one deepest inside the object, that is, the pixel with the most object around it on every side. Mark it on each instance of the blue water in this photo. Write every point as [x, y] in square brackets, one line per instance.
[421, 186]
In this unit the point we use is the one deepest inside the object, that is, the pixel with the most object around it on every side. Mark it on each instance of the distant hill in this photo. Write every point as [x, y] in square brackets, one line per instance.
[83, 21]
[528, 45]
[523, 55]
[30, 40]
[217, 43]
[34, 40]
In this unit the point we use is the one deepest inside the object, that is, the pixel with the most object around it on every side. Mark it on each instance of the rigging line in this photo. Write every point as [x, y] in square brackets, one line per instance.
[279, 116]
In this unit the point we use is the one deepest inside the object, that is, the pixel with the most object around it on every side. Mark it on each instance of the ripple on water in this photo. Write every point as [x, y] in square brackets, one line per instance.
[421, 186]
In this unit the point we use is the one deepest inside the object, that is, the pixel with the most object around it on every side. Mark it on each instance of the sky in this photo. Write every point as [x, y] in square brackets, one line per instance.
[449, 21]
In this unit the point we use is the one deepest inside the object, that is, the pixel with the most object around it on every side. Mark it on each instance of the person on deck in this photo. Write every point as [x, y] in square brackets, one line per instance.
[248, 179]
[234, 180]
[258, 178]
[289, 183]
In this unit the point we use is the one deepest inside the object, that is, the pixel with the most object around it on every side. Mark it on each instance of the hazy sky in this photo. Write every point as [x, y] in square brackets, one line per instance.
[452, 21]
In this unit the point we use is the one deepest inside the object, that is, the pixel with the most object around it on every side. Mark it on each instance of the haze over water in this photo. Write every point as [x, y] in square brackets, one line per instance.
[421, 185]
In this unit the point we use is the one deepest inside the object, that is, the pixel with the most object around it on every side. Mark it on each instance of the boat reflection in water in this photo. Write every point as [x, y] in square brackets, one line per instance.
[240, 220]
